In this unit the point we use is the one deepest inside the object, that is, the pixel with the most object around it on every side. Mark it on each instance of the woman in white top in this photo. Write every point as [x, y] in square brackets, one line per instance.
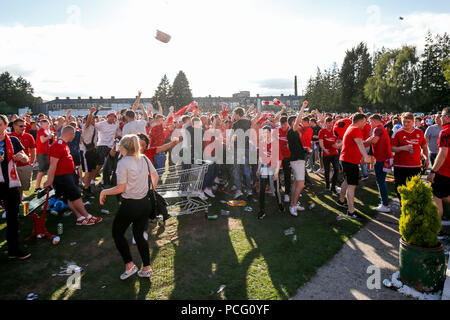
[132, 183]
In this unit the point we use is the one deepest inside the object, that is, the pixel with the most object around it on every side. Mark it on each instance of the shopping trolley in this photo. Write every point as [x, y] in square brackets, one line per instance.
[183, 181]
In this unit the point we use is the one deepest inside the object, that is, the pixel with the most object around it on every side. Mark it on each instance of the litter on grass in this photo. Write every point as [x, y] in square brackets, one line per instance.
[395, 283]
[67, 214]
[289, 232]
[224, 213]
[221, 288]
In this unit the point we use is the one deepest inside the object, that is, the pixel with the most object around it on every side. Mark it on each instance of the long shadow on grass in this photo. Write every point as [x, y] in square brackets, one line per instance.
[205, 259]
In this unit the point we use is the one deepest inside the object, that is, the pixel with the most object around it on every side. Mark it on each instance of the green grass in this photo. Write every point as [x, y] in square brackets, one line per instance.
[192, 256]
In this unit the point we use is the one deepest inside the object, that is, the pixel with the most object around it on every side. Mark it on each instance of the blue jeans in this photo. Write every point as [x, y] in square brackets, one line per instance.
[211, 175]
[238, 168]
[381, 182]
[433, 157]
[159, 161]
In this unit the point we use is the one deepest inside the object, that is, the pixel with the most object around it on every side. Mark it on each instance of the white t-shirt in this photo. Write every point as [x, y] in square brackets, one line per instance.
[134, 127]
[86, 134]
[107, 133]
[134, 172]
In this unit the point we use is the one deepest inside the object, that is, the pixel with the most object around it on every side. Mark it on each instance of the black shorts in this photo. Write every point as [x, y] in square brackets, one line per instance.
[65, 187]
[351, 173]
[103, 152]
[441, 186]
[91, 159]
[76, 159]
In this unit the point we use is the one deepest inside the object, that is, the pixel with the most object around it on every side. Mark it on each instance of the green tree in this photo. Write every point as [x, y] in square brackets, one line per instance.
[394, 81]
[15, 93]
[180, 94]
[356, 68]
[434, 89]
[162, 94]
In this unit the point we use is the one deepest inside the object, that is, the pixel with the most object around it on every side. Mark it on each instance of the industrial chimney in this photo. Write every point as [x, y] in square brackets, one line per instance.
[295, 84]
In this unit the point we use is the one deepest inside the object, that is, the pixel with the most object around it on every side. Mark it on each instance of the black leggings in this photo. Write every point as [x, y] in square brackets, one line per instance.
[264, 181]
[287, 175]
[11, 200]
[134, 212]
[333, 160]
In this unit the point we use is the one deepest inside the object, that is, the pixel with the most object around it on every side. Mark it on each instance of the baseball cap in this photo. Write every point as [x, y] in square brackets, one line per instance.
[112, 113]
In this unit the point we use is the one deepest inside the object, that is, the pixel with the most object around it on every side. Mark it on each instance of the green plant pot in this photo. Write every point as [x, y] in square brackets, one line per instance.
[422, 268]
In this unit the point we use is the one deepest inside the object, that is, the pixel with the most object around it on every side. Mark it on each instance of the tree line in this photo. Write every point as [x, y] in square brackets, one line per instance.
[15, 93]
[391, 80]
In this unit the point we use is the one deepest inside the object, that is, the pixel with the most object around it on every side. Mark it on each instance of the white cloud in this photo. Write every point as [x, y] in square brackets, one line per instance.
[222, 47]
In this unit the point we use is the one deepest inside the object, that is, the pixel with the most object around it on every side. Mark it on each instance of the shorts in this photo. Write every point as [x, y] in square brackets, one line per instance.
[351, 173]
[43, 162]
[91, 159]
[440, 186]
[76, 159]
[65, 186]
[103, 152]
[298, 167]
[25, 174]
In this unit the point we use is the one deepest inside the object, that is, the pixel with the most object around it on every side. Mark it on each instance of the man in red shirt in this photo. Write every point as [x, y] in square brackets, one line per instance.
[353, 151]
[329, 145]
[407, 144]
[306, 138]
[381, 149]
[24, 170]
[285, 156]
[42, 144]
[61, 176]
[366, 135]
[340, 127]
[440, 173]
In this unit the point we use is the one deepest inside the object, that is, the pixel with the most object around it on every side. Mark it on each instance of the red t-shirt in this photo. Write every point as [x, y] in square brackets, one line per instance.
[28, 143]
[366, 131]
[404, 159]
[150, 153]
[60, 150]
[285, 153]
[341, 127]
[42, 148]
[306, 137]
[382, 149]
[444, 142]
[350, 151]
[157, 134]
[329, 139]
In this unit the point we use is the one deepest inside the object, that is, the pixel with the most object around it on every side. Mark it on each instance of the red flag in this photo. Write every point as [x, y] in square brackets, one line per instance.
[184, 110]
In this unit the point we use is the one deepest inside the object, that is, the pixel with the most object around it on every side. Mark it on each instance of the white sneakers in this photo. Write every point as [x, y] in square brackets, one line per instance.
[293, 211]
[286, 198]
[209, 193]
[203, 196]
[238, 194]
[382, 208]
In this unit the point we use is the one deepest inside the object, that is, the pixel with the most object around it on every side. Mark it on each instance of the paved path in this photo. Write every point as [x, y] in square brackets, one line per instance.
[345, 276]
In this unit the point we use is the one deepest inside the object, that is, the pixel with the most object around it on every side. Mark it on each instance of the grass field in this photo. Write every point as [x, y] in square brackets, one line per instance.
[191, 256]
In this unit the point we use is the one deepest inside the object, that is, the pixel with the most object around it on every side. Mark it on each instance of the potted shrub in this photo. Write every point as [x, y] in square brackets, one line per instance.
[422, 258]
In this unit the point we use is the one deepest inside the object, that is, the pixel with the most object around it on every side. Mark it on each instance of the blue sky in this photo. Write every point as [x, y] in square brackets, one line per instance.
[106, 47]
[42, 12]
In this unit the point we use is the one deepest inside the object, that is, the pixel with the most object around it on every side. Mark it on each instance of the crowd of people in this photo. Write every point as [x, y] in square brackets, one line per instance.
[132, 147]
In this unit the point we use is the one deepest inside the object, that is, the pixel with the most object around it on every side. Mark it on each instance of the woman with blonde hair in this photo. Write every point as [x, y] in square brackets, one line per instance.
[132, 183]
